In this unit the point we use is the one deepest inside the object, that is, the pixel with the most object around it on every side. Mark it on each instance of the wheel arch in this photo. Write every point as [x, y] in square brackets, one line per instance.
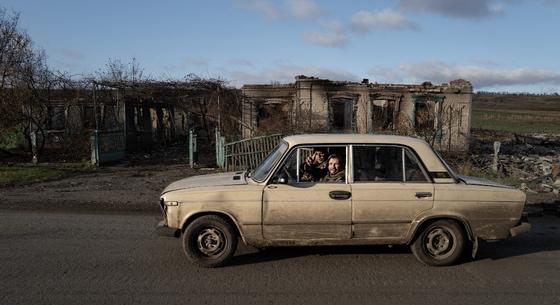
[228, 217]
[422, 224]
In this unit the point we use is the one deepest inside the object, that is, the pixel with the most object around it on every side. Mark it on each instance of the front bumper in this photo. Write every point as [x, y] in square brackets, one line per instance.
[163, 230]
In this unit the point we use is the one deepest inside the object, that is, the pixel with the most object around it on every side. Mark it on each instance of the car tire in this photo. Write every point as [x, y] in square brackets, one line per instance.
[441, 243]
[210, 241]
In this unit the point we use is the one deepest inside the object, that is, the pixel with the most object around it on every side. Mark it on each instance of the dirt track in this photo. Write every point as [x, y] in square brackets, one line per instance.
[114, 188]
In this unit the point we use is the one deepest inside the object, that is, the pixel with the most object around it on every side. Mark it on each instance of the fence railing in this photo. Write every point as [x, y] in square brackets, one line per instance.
[246, 153]
[107, 146]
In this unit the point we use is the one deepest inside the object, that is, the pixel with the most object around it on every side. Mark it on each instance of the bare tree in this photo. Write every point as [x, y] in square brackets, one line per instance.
[118, 72]
[25, 82]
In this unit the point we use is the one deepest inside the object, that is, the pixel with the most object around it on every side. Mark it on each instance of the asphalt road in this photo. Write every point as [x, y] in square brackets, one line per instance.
[84, 258]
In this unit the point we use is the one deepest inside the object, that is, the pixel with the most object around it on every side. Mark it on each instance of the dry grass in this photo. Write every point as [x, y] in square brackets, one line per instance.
[513, 113]
[517, 121]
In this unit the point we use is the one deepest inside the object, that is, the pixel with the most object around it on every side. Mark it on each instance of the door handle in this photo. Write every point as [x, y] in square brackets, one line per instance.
[423, 194]
[340, 195]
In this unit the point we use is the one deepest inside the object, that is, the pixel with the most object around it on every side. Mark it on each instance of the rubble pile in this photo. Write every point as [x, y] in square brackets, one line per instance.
[533, 160]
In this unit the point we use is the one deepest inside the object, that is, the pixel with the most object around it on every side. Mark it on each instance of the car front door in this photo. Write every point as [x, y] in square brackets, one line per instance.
[389, 190]
[301, 204]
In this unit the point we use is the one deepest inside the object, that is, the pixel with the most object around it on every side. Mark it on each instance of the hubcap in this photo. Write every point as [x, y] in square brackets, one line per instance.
[440, 243]
[210, 241]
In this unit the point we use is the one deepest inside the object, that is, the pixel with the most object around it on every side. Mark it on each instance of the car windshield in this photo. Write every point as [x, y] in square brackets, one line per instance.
[264, 168]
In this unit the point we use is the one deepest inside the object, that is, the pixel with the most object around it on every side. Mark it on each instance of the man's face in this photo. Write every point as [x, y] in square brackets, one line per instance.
[334, 166]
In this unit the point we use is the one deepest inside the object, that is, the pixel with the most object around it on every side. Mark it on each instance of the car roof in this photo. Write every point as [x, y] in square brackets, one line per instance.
[423, 149]
[323, 138]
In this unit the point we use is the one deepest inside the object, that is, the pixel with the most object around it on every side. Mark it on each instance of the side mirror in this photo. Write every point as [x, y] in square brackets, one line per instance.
[282, 180]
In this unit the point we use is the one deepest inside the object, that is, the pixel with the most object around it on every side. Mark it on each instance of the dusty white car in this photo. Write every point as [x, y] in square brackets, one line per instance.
[342, 190]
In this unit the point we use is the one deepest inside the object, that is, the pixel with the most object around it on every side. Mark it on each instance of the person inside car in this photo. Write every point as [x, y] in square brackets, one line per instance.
[335, 169]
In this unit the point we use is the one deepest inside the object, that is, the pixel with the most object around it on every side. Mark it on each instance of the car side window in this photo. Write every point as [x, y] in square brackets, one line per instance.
[378, 163]
[382, 163]
[314, 164]
[413, 169]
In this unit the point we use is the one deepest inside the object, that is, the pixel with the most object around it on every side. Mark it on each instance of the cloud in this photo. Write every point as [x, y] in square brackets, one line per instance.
[363, 21]
[195, 61]
[456, 8]
[287, 73]
[304, 9]
[480, 76]
[263, 7]
[299, 9]
[239, 62]
[335, 36]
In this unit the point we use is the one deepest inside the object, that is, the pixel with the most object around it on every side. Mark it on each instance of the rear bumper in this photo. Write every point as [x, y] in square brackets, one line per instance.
[163, 230]
[522, 227]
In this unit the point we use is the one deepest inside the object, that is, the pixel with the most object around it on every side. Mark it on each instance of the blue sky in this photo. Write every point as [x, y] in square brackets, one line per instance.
[498, 45]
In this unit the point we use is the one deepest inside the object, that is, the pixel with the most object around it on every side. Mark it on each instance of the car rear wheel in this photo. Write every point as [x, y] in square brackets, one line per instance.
[441, 243]
[210, 241]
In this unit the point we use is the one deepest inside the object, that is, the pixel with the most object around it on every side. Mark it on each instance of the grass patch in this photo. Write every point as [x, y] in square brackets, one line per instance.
[517, 121]
[17, 174]
[11, 139]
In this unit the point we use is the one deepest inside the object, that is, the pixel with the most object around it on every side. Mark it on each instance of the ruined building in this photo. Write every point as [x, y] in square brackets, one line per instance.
[116, 118]
[441, 114]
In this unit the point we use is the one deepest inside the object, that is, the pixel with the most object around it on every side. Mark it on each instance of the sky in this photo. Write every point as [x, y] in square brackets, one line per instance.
[498, 45]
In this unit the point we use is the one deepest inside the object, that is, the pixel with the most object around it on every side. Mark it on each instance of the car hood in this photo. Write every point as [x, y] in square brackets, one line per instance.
[480, 181]
[230, 178]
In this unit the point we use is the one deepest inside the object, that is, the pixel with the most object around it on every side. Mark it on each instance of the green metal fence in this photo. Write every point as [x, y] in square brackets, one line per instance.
[244, 154]
[107, 146]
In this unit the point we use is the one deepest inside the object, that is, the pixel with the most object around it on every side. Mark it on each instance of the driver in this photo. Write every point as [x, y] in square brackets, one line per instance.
[335, 169]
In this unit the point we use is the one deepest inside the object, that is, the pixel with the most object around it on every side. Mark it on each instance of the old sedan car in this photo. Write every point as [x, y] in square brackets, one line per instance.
[327, 189]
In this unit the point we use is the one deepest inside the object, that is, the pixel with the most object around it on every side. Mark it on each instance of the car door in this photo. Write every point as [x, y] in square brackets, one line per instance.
[294, 209]
[390, 188]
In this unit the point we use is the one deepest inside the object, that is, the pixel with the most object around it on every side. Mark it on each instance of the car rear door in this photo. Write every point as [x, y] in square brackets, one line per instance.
[390, 188]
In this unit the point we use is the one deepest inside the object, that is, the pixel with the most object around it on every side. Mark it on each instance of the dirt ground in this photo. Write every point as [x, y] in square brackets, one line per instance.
[114, 188]
[133, 185]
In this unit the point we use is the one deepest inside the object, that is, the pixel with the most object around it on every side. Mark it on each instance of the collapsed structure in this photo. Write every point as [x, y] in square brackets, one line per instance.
[440, 114]
[124, 117]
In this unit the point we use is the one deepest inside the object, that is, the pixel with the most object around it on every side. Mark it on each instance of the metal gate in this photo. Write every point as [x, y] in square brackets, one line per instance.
[244, 154]
[107, 146]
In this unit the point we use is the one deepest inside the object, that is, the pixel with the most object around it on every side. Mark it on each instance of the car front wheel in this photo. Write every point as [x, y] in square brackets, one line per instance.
[441, 243]
[210, 241]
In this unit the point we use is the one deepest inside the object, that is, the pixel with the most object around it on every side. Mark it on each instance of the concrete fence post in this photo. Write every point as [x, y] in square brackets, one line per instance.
[495, 161]
[192, 148]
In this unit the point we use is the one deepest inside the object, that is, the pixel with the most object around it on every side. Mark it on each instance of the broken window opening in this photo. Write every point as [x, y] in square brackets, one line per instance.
[57, 117]
[342, 115]
[382, 114]
[424, 115]
[271, 117]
